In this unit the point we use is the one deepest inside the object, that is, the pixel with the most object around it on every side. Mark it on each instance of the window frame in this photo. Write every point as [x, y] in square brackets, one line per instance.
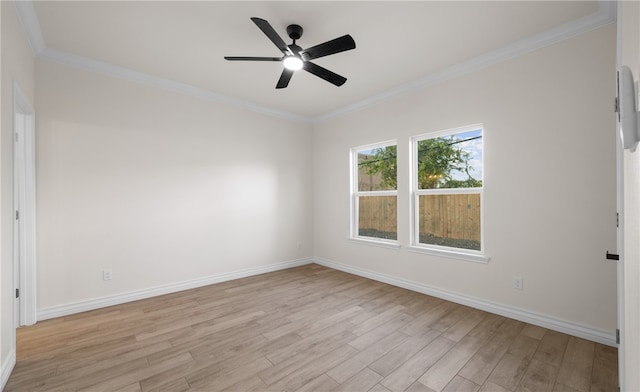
[416, 192]
[356, 194]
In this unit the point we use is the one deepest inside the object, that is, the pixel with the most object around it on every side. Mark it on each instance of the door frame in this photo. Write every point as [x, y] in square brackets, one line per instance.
[24, 188]
[620, 294]
[620, 290]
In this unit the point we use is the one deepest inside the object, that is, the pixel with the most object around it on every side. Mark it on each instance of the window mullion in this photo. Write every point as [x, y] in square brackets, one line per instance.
[448, 191]
[377, 193]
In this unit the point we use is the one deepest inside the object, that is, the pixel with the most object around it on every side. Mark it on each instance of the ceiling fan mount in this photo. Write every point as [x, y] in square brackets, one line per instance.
[294, 31]
[302, 57]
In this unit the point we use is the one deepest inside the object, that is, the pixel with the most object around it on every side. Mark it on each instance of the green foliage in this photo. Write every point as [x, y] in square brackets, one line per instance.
[384, 162]
[468, 183]
[438, 159]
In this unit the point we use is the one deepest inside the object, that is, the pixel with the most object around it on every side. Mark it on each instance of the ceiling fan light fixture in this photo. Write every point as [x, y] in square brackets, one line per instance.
[296, 58]
[292, 63]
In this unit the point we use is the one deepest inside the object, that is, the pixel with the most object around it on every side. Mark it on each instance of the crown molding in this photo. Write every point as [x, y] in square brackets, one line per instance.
[605, 15]
[30, 24]
[104, 68]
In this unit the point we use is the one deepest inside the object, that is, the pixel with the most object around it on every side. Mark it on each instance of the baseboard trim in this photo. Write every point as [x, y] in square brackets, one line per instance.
[83, 306]
[7, 367]
[545, 321]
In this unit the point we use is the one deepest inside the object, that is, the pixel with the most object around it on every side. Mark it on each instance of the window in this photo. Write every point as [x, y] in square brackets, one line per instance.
[447, 190]
[374, 193]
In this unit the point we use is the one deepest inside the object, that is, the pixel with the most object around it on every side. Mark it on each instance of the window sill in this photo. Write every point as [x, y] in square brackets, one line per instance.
[389, 244]
[452, 254]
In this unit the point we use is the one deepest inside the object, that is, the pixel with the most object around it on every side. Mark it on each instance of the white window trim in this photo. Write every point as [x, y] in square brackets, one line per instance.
[436, 250]
[452, 253]
[355, 195]
[381, 242]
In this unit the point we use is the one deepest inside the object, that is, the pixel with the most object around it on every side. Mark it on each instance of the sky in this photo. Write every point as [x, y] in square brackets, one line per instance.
[474, 148]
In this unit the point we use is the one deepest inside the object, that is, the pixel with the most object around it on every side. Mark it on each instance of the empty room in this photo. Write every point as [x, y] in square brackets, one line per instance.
[319, 196]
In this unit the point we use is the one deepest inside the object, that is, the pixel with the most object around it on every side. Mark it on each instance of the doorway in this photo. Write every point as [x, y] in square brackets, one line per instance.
[24, 228]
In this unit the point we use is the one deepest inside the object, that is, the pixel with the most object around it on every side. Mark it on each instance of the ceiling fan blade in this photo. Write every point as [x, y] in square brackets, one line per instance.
[284, 78]
[239, 58]
[337, 45]
[324, 73]
[271, 33]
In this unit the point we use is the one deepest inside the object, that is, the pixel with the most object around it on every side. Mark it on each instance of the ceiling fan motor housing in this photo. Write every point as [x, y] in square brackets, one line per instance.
[294, 31]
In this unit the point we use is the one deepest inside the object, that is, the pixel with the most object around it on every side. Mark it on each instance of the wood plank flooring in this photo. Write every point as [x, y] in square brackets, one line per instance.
[304, 329]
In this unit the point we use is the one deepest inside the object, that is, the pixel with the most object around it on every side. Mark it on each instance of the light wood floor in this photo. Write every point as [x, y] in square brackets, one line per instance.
[303, 329]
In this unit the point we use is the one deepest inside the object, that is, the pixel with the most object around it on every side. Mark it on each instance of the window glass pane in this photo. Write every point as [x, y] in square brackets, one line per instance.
[377, 169]
[450, 220]
[453, 161]
[377, 217]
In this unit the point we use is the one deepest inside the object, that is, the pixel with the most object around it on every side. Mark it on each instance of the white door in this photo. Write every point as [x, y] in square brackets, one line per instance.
[19, 124]
[24, 209]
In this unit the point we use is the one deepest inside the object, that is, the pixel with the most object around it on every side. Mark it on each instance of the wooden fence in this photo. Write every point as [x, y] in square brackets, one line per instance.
[451, 216]
[378, 213]
[446, 216]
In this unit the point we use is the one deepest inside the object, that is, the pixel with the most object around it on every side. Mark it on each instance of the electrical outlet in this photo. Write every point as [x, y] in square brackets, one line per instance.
[517, 282]
[107, 274]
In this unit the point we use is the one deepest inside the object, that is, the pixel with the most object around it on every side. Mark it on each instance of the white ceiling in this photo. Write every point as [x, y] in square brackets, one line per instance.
[399, 45]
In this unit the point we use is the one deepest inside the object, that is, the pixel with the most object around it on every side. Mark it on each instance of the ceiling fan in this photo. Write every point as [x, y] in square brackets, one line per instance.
[296, 58]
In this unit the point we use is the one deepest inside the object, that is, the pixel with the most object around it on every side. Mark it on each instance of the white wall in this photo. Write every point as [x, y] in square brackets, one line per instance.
[163, 188]
[17, 64]
[159, 187]
[630, 56]
[549, 139]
